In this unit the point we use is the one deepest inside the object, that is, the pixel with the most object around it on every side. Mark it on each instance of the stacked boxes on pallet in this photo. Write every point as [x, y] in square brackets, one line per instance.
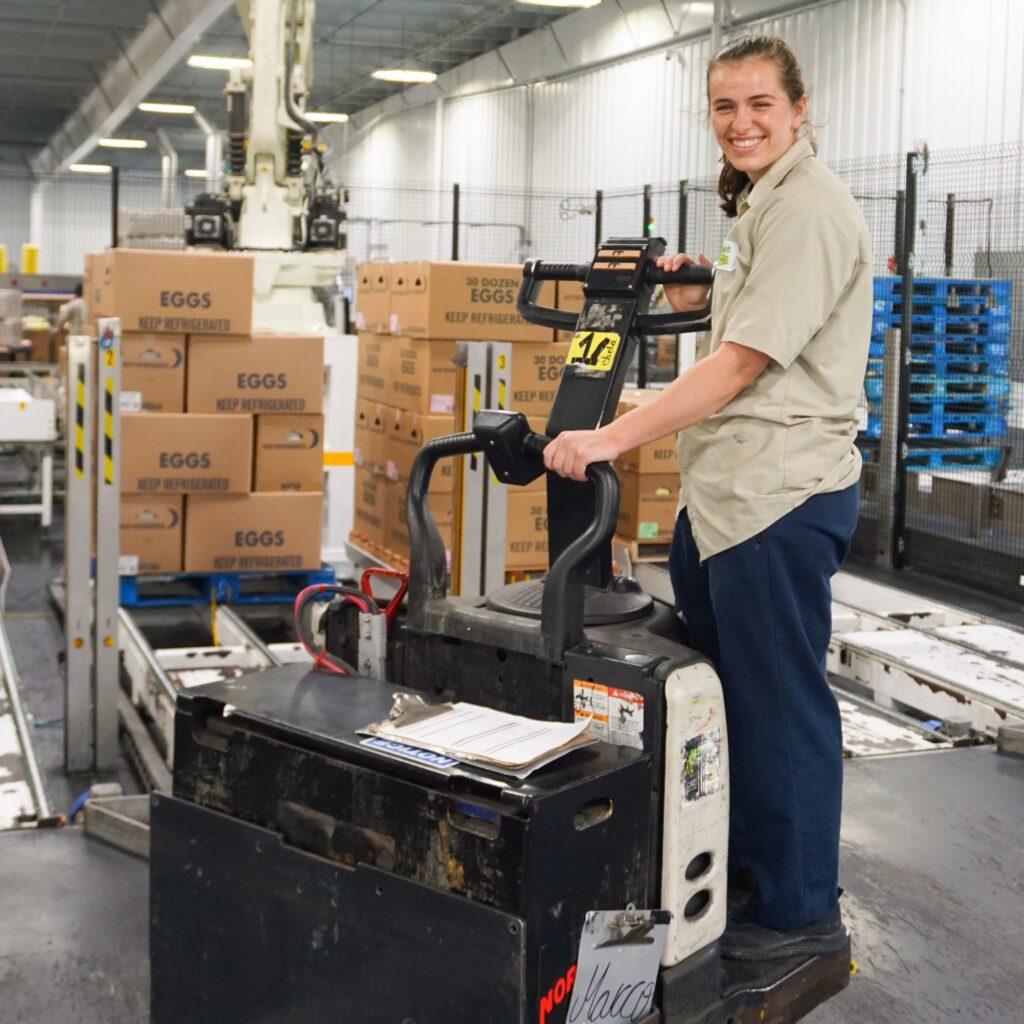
[648, 487]
[410, 317]
[959, 370]
[221, 428]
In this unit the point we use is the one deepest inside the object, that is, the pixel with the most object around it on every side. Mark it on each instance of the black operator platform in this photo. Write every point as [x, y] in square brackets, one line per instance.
[302, 874]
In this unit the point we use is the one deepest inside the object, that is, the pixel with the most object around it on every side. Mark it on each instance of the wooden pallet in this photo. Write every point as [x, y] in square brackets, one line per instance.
[641, 550]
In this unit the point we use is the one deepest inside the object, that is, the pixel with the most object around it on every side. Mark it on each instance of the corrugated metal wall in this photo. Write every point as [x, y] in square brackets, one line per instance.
[958, 81]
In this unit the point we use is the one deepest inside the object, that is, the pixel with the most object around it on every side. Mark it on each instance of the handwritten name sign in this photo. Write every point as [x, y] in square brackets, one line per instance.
[617, 969]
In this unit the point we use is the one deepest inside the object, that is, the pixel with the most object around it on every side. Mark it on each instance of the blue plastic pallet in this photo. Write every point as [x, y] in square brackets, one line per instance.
[945, 289]
[922, 459]
[947, 346]
[928, 362]
[958, 426]
[944, 321]
[956, 387]
[970, 304]
[184, 589]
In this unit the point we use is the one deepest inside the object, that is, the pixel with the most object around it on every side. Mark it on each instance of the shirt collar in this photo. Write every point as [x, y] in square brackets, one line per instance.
[800, 150]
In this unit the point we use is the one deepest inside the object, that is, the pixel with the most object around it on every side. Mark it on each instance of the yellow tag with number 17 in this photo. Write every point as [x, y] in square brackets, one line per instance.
[595, 349]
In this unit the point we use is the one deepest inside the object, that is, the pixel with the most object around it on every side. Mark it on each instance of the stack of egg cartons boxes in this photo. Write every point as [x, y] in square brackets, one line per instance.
[10, 317]
[198, 388]
[648, 484]
[407, 393]
[959, 371]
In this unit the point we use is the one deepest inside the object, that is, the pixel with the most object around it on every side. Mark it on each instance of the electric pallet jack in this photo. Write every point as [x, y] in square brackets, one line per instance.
[299, 873]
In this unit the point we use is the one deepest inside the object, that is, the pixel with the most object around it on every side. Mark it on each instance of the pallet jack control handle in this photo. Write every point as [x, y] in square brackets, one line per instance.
[562, 605]
[535, 272]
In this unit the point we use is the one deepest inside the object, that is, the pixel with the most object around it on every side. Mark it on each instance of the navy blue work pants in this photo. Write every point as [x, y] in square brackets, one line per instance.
[761, 611]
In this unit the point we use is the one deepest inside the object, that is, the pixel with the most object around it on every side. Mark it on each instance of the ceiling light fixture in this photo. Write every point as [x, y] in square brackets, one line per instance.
[404, 75]
[195, 172]
[91, 168]
[323, 117]
[167, 108]
[560, 3]
[123, 143]
[211, 63]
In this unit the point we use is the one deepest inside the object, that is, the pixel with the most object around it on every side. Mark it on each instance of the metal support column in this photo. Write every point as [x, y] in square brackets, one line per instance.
[598, 210]
[115, 199]
[914, 201]
[950, 233]
[455, 222]
[79, 738]
[647, 211]
[105, 589]
[684, 203]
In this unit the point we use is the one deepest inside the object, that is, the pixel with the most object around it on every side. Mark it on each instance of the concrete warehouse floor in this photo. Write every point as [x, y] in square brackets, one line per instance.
[933, 866]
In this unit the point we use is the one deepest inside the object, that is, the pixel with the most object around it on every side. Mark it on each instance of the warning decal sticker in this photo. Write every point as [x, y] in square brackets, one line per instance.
[616, 716]
[595, 349]
[702, 765]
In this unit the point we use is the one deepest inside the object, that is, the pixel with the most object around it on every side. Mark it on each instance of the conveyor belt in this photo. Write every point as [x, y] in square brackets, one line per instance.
[869, 730]
[938, 659]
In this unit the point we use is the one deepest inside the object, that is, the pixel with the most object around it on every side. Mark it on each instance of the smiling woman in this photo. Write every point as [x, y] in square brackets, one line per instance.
[767, 421]
[758, 104]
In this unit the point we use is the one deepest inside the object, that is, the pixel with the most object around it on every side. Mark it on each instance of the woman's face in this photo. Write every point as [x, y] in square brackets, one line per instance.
[754, 120]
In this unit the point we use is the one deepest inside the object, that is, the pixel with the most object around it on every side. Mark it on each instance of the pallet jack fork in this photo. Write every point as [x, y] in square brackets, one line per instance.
[364, 885]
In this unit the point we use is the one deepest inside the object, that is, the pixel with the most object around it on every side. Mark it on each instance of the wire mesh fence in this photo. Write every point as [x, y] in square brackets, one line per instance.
[941, 418]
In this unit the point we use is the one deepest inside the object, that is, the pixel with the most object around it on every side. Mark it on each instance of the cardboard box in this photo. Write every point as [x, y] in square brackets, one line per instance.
[376, 359]
[461, 302]
[407, 433]
[178, 453]
[647, 506]
[422, 377]
[152, 528]
[570, 296]
[152, 372]
[289, 453]
[261, 373]
[368, 445]
[665, 351]
[44, 348]
[253, 532]
[173, 292]
[526, 529]
[370, 506]
[655, 457]
[373, 297]
[536, 372]
[441, 506]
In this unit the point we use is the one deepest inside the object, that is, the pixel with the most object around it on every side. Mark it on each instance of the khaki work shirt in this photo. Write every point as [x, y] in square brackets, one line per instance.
[793, 282]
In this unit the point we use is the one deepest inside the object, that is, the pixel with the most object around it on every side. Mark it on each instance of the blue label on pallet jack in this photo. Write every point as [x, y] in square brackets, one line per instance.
[407, 753]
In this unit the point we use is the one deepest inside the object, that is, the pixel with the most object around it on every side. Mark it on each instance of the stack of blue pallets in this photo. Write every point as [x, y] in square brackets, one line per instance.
[959, 369]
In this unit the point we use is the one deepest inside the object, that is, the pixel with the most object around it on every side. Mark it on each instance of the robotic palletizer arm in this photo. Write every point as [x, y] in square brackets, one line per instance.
[273, 201]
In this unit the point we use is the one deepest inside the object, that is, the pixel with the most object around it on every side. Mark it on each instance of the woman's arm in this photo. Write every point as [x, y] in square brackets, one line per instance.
[702, 390]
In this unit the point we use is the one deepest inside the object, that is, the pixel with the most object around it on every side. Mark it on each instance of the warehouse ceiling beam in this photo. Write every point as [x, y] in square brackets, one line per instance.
[162, 44]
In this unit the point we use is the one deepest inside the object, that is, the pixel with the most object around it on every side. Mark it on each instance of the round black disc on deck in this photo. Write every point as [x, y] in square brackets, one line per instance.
[621, 601]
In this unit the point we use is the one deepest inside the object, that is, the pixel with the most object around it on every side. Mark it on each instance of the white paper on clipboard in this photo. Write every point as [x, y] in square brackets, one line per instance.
[617, 967]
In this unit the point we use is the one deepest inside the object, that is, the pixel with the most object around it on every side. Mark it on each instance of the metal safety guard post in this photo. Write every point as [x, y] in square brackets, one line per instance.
[105, 589]
[92, 514]
[79, 736]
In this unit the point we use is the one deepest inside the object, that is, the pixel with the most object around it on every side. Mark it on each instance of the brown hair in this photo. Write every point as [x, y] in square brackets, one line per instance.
[732, 182]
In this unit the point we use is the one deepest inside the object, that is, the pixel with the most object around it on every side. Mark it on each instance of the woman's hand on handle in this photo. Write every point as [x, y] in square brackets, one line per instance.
[572, 451]
[684, 298]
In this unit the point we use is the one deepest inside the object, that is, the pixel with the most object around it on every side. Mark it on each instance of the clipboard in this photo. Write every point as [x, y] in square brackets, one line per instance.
[618, 963]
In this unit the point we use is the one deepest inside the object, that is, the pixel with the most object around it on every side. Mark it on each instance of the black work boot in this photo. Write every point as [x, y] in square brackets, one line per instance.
[744, 940]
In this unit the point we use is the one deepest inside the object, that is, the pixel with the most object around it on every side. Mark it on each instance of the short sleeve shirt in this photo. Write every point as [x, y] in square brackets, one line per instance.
[794, 282]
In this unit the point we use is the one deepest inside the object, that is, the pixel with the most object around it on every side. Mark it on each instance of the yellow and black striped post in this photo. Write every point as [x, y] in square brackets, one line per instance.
[79, 725]
[81, 393]
[106, 584]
